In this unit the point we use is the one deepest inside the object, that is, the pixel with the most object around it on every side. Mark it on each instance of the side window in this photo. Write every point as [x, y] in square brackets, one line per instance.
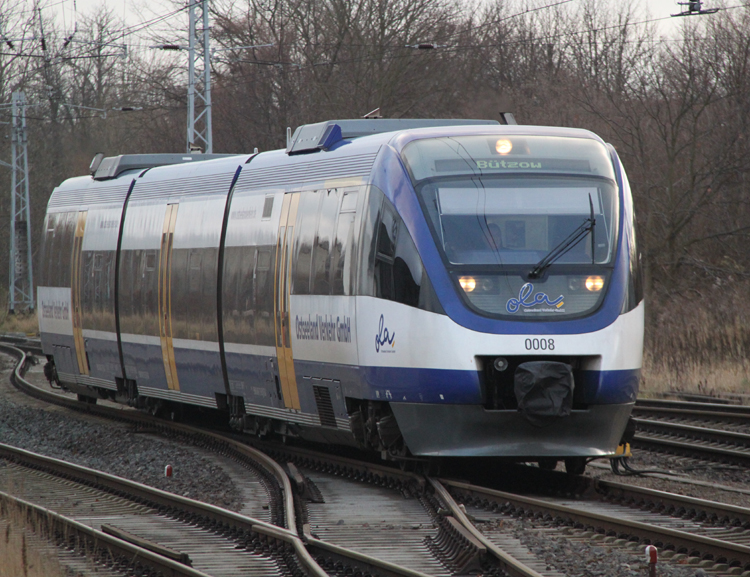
[407, 271]
[58, 248]
[194, 270]
[321, 271]
[263, 296]
[47, 250]
[267, 208]
[394, 269]
[635, 276]
[385, 253]
[343, 247]
[304, 237]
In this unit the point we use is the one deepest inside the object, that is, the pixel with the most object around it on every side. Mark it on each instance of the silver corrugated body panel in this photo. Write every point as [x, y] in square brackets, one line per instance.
[307, 172]
[82, 192]
[285, 415]
[88, 381]
[178, 397]
[181, 187]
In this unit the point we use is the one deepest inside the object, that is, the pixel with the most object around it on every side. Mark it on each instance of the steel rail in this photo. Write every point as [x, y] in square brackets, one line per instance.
[693, 432]
[667, 537]
[703, 508]
[689, 448]
[688, 413]
[690, 406]
[156, 497]
[510, 565]
[51, 522]
[290, 535]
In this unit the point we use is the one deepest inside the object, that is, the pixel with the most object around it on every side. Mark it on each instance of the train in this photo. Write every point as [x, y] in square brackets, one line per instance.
[420, 288]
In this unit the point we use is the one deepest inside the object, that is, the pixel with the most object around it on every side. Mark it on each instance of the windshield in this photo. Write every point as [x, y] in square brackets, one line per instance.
[544, 211]
[493, 221]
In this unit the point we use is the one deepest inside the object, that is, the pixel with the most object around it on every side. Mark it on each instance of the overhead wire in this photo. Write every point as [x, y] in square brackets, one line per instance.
[403, 51]
[459, 47]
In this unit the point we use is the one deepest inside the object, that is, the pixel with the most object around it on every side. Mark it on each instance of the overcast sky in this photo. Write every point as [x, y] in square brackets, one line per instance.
[135, 11]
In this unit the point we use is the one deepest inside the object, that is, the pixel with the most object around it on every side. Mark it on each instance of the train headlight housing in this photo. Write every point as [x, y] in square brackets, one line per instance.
[468, 283]
[503, 146]
[594, 283]
[500, 364]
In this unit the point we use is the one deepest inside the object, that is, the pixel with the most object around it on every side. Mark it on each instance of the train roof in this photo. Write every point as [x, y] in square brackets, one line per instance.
[335, 136]
[319, 152]
[112, 166]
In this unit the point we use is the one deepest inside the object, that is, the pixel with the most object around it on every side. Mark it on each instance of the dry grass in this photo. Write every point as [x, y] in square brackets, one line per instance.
[22, 553]
[16, 323]
[19, 323]
[726, 377]
[699, 342]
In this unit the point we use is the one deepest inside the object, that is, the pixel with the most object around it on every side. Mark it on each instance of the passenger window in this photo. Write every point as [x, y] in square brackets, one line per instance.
[304, 235]
[150, 259]
[267, 208]
[341, 256]
[323, 240]
[194, 272]
[264, 260]
[263, 297]
[48, 251]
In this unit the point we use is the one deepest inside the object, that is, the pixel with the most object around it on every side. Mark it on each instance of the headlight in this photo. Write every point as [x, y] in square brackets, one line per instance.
[503, 146]
[468, 283]
[594, 283]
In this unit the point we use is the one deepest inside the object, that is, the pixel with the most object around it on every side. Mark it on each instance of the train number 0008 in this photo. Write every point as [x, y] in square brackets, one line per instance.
[540, 344]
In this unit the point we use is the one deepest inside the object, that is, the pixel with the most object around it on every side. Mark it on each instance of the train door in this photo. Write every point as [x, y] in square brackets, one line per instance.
[75, 293]
[282, 285]
[165, 297]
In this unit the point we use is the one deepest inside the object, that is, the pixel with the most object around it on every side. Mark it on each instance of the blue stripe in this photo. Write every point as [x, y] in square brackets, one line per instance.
[390, 176]
[421, 385]
[462, 387]
[609, 387]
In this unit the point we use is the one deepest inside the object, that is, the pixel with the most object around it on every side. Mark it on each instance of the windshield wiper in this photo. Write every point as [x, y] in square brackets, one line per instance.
[573, 239]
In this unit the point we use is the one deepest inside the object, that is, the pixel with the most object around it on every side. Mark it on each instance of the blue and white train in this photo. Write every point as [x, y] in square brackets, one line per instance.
[415, 287]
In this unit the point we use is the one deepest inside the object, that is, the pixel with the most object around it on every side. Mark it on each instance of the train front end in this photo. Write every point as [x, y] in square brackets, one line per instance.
[527, 235]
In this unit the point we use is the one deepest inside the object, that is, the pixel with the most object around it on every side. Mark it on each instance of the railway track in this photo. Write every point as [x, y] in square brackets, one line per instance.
[690, 531]
[446, 541]
[706, 431]
[443, 545]
[126, 525]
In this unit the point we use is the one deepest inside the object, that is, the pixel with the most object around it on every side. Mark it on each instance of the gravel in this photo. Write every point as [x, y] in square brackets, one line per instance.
[576, 558]
[113, 448]
[120, 450]
[707, 478]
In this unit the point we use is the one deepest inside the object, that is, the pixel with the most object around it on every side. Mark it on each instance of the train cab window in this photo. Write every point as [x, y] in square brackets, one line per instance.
[394, 269]
[385, 254]
[542, 207]
[304, 238]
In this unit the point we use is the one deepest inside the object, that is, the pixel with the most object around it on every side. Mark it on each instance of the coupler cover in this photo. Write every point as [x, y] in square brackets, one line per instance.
[544, 391]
